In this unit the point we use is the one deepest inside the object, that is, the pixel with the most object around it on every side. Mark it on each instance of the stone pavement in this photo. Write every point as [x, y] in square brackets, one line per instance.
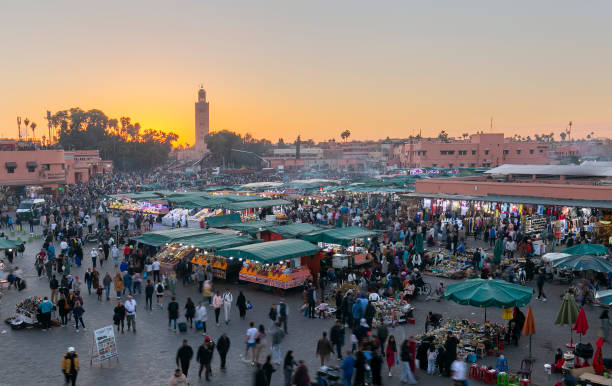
[32, 357]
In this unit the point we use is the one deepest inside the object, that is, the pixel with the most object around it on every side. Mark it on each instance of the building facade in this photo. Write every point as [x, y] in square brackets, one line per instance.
[481, 150]
[202, 122]
[50, 168]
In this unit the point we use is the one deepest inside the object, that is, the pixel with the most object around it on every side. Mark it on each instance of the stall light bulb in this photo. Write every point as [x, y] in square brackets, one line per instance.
[231, 258]
[240, 259]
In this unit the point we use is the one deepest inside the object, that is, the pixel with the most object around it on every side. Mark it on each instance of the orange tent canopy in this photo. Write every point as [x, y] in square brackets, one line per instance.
[529, 325]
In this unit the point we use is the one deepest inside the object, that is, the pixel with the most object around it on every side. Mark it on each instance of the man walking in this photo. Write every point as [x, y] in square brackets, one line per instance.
[324, 348]
[53, 285]
[45, 308]
[541, 278]
[107, 282]
[283, 312]
[227, 305]
[130, 312]
[70, 365]
[173, 313]
[277, 338]
[204, 357]
[312, 298]
[337, 337]
[149, 295]
[183, 357]
[88, 280]
[223, 345]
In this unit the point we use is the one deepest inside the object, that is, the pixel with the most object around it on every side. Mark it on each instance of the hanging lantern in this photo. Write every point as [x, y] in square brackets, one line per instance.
[507, 314]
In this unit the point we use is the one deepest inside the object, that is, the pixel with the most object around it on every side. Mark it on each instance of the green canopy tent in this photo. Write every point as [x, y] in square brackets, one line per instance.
[8, 244]
[272, 251]
[489, 293]
[587, 249]
[251, 227]
[293, 230]
[340, 236]
[158, 238]
[584, 263]
[223, 221]
[255, 204]
[215, 241]
[567, 315]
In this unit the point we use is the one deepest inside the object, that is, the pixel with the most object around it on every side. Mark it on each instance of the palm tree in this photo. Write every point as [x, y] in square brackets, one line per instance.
[563, 135]
[26, 122]
[465, 135]
[43, 140]
[33, 127]
[345, 134]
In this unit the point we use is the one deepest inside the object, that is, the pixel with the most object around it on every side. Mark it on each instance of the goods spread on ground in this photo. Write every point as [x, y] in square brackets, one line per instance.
[445, 264]
[274, 275]
[392, 311]
[474, 338]
[25, 312]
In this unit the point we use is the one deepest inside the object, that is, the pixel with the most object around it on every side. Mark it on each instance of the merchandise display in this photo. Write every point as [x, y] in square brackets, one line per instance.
[25, 312]
[392, 311]
[219, 264]
[169, 256]
[474, 338]
[442, 264]
[175, 216]
[275, 275]
[139, 206]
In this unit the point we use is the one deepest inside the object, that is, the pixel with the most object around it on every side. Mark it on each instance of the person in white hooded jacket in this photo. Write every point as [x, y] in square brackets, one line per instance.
[201, 316]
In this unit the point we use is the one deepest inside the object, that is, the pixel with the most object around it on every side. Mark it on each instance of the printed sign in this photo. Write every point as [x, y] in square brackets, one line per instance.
[106, 347]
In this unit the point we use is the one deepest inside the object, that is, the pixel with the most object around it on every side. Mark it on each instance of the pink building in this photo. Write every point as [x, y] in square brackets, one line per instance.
[50, 168]
[481, 150]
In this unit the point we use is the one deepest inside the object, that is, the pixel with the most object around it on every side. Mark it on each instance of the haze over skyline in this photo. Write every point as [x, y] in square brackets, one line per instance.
[279, 69]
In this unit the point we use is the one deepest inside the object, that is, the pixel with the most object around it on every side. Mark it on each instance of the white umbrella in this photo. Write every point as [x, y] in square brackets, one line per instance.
[552, 256]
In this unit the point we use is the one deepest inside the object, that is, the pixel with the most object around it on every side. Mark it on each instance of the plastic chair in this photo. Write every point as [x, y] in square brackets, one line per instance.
[502, 379]
[525, 371]
[501, 364]
[489, 376]
[525, 382]
[473, 371]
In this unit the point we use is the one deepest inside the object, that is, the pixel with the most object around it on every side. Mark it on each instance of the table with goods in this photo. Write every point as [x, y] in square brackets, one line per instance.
[474, 338]
[26, 313]
[170, 256]
[392, 311]
[441, 263]
[274, 275]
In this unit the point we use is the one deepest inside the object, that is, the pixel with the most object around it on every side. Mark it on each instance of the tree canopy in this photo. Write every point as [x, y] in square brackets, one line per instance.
[231, 149]
[123, 142]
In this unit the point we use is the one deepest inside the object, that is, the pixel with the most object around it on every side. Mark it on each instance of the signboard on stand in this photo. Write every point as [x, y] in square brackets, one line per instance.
[104, 344]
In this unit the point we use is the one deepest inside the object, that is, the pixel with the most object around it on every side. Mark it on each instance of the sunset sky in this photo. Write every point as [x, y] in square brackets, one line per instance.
[283, 68]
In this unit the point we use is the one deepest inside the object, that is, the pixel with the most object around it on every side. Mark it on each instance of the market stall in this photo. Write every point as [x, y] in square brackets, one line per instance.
[273, 264]
[144, 202]
[199, 249]
[25, 313]
[351, 241]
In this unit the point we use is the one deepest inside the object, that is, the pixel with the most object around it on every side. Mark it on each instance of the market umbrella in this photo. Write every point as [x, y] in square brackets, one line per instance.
[582, 325]
[552, 256]
[584, 263]
[587, 249]
[529, 327]
[418, 243]
[568, 314]
[489, 293]
[604, 297]
[598, 365]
